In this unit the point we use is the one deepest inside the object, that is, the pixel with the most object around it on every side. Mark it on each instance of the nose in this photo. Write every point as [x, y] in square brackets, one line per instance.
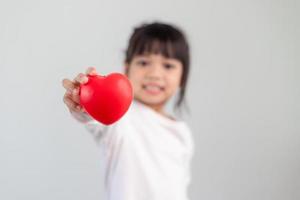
[155, 72]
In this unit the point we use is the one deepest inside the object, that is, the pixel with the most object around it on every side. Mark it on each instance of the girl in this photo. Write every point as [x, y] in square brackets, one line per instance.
[147, 153]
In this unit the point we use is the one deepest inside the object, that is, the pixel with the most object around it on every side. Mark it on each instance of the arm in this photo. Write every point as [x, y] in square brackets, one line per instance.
[189, 159]
[92, 126]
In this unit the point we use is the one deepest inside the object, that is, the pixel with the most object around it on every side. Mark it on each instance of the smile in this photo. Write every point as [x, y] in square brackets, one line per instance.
[152, 89]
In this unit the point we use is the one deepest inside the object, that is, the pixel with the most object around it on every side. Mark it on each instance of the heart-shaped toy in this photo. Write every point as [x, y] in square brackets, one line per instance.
[106, 98]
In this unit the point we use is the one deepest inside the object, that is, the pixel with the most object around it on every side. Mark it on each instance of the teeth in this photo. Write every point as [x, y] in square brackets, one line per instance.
[152, 88]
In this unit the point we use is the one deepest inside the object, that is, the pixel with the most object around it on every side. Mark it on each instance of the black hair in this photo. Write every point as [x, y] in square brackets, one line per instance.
[165, 39]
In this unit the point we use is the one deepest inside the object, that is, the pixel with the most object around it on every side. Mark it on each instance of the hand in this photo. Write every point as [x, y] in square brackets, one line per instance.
[71, 97]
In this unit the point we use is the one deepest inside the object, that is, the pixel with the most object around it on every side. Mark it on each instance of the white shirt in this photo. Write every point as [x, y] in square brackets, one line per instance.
[146, 156]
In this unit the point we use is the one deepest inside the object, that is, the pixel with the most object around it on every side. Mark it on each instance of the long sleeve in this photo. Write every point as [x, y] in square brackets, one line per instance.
[92, 126]
[189, 159]
[188, 168]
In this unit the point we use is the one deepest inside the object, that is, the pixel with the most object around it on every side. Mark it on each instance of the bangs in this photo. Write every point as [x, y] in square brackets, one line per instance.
[158, 39]
[155, 46]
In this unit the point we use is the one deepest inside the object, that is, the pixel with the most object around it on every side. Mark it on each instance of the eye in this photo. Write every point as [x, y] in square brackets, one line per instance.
[142, 63]
[168, 66]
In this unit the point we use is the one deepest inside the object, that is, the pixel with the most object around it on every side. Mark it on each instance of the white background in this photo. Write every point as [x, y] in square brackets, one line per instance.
[243, 93]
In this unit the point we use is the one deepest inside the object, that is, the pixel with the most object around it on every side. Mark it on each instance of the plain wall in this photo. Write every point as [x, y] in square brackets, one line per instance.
[243, 94]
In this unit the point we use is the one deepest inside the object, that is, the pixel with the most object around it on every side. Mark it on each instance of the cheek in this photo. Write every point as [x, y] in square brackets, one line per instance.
[174, 80]
[135, 78]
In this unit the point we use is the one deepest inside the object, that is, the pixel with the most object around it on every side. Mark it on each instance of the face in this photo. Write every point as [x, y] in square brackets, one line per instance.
[155, 79]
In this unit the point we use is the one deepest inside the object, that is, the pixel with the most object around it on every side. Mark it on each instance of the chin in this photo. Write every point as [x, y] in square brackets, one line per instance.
[153, 100]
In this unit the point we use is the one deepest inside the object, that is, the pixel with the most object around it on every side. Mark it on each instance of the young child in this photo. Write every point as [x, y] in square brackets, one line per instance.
[147, 153]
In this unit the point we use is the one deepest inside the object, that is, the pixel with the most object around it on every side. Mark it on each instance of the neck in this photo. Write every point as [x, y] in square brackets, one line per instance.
[159, 108]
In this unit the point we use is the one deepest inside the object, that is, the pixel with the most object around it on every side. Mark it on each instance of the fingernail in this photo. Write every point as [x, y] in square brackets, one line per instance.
[75, 91]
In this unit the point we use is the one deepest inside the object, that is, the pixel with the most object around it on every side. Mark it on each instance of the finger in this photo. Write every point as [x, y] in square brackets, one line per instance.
[75, 95]
[80, 108]
[81, 79]
[68, 85]
[73, 105]
[91, 71]
[70, 103]
[72, 94]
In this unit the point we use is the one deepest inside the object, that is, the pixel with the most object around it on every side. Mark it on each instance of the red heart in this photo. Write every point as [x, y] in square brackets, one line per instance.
[106, 98]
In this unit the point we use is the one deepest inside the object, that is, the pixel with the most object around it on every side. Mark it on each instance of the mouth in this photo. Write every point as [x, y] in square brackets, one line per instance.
[152, 88]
